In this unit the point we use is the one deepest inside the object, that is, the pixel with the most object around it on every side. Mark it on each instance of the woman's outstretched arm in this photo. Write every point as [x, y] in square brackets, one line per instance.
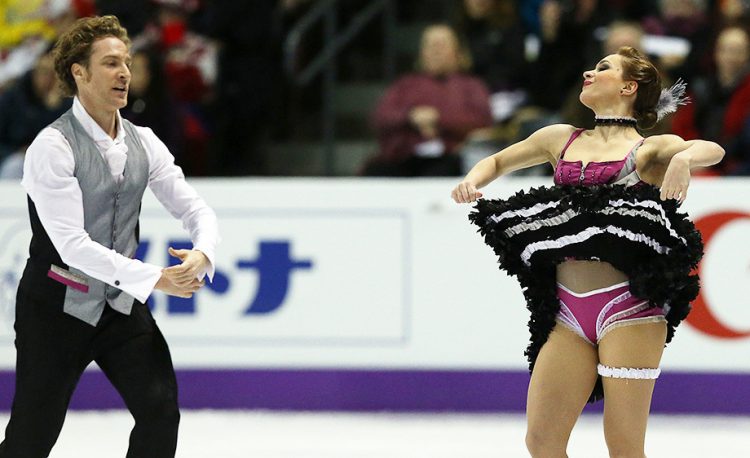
[542, 146]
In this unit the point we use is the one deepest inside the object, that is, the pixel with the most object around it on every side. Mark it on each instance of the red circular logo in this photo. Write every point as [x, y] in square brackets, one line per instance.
[701, 317]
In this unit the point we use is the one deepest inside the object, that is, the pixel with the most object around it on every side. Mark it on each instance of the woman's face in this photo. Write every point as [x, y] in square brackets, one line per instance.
[603, 82]
[623, 35]
[732, 53]
[478, 9]
[439, 51]
[681, 8]
[43, 76]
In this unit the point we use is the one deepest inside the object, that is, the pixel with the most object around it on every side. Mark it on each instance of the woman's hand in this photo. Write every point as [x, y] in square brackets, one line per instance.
[676, 179]
[465, 192]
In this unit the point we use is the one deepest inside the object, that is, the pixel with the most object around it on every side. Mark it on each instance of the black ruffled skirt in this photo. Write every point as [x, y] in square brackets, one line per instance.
[628, 227]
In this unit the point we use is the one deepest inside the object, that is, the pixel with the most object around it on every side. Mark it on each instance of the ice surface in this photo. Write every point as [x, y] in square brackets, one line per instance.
[262, 434]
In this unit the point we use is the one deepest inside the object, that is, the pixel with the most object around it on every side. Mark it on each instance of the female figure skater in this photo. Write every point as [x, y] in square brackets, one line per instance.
[603, 257]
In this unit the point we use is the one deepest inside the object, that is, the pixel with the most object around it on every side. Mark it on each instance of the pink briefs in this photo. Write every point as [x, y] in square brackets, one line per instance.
[592, 314]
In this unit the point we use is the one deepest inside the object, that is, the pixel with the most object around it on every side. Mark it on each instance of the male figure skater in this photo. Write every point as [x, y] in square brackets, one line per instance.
[81, 297]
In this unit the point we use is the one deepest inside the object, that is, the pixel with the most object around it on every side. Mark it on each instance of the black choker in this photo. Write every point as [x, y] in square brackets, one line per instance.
[615, 121]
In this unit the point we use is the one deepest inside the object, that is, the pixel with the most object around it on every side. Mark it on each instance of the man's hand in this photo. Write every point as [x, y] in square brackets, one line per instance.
[182, 279]
[168, 286]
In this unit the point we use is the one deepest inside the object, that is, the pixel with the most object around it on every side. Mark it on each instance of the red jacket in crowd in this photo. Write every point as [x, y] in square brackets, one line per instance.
[461, 100]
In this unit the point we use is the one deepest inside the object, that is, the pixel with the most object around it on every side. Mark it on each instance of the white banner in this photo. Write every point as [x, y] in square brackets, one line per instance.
[382, 274]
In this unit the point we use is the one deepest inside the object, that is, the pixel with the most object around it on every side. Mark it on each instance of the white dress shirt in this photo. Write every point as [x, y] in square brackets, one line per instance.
[48, 179]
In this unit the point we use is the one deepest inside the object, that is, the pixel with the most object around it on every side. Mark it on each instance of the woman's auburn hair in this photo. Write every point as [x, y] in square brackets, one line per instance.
[636, 67]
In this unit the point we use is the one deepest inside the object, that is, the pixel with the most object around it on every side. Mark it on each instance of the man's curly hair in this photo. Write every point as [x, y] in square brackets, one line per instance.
[74, 46]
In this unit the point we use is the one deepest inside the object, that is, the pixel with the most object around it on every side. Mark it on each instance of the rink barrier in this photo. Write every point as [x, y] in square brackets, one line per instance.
[395, 390]
[340, 294]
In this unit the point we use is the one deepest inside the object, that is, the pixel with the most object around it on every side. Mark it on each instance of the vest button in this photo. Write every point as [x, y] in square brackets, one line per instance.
[117, 282]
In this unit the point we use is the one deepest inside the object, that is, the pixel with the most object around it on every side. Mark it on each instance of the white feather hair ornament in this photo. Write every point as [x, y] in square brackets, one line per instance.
[671, 98]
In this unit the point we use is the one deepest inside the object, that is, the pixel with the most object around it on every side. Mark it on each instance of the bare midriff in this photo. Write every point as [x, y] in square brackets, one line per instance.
[585, 276]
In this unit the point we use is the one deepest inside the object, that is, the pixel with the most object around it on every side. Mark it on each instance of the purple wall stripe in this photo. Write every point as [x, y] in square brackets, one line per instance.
[396, 390]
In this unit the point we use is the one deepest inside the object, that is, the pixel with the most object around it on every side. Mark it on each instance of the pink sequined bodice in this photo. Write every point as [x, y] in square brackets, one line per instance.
[594, 172]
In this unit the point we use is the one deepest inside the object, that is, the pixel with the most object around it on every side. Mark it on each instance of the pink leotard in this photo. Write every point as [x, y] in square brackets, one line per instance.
[591, 315]
[593, 173]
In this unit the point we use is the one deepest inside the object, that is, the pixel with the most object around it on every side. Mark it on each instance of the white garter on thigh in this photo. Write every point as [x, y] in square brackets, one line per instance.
[628, 372]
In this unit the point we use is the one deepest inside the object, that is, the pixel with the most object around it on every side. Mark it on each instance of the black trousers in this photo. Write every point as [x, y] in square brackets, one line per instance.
[54, 348]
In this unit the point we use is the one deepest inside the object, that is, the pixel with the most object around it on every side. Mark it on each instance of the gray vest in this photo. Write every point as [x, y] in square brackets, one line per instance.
[110, 211]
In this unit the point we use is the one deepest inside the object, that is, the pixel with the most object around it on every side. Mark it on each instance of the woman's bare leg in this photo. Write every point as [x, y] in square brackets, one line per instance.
[563, 377]
[627, 401]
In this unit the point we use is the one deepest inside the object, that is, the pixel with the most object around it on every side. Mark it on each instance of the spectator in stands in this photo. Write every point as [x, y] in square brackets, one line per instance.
[27, 29]
[190, 60]
[566, 33]
[733, 12]
[248, 81]
[495, 39]
[687, 19]
[621, 33]
[29, 105]
[720, 108]
[424, 117]
[134, 15]
[741, 152]
[20, 20]
[150, 104]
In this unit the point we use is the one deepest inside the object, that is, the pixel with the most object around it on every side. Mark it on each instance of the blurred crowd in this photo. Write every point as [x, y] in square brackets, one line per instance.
[526, 59]
[207, 76]
[203, 75]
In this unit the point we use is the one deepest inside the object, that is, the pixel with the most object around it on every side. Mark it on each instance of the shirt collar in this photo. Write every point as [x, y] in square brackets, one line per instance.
[93, 129]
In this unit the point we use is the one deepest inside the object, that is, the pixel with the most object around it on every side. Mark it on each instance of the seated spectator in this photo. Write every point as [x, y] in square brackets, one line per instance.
[250, 88]
[680, 19]
[150, 104]
[720, 106]
[741, 152]
[496, 41]
[134, 15]
[732, 12]
[24, 19]
[27, 29]
[26, 107]
[566, 31]
[190, 63]
[424, 117]
[190, 58]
